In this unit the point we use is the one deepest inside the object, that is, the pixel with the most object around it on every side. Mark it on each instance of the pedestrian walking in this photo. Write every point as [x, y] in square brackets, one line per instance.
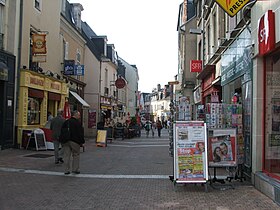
[159, 126]
[72, 146]
[55, 126]
[148, 127]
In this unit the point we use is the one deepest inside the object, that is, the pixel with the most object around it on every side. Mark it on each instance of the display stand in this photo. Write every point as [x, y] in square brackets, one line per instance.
[222, 153]
[190, 153]
[38, 136]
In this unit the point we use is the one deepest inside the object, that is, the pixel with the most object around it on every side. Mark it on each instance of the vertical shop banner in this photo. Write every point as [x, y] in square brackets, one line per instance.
[190, 152]
[222, 147]
[91, 118]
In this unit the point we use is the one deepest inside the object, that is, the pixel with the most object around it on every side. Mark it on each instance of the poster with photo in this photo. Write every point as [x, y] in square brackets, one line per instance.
[190, 152]
[222, 147]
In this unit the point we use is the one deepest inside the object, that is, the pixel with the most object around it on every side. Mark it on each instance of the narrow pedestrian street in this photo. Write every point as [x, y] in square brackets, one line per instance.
[127, 174]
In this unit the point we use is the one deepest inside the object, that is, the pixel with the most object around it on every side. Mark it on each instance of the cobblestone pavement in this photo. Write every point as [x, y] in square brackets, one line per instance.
[127, 174]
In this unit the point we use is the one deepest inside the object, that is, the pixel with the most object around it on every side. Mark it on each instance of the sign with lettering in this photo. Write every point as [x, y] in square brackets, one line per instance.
[79, 70]
[236, 60]
[196, 65]
[190, 152]
[231, 7]
[266, 32]
[69, 67]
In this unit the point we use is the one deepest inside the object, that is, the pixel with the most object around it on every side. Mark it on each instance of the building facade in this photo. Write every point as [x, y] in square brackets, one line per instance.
[9, 33]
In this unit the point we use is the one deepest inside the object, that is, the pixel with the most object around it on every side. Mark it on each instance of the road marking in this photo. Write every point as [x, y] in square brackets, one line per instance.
[95, 176]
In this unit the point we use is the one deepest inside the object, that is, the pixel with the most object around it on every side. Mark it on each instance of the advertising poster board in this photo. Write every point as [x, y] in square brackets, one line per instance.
[190, 152]
[222, 147]
[101, 138]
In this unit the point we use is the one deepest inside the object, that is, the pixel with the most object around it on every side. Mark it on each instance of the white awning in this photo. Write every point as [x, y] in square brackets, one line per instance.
[82, 101]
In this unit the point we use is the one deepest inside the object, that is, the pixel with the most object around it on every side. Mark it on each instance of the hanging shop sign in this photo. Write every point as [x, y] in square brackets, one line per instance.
[196, 65]
[79, 70]
[232, 7]
[69, 67]
[266, 32]
[39, 44]
[120, 83]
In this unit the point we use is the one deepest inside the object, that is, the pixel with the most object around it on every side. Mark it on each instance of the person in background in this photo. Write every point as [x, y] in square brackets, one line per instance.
[55, 126]
[72, 147]
[50, 117]
[159, 126]
[148, 127]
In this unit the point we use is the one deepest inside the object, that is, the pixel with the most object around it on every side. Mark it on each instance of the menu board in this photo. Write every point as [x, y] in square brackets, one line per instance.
[190, 152]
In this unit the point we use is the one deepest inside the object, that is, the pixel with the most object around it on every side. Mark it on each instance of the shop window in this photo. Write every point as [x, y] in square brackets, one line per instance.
[33, 113]
[272, 115]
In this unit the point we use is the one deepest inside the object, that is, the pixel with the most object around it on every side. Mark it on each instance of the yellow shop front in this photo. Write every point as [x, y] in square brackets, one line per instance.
[38, 95]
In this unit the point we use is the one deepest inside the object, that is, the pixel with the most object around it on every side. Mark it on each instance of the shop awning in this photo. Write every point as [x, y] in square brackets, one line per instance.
[82, 101]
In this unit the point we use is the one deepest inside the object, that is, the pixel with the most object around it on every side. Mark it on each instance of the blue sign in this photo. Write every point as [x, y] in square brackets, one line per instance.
[69, 66]
[79, 70]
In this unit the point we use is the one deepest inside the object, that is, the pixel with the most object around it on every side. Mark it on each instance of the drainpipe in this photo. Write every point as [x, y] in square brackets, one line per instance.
[17, 75]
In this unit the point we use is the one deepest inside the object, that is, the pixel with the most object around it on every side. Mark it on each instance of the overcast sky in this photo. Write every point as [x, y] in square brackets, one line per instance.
[144, 33]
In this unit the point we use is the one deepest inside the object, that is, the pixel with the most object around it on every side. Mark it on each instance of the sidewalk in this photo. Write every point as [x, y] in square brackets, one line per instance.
[127, 174]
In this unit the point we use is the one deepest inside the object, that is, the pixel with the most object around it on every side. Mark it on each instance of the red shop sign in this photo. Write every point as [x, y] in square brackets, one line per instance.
[120, 83]
[196, 65]
[266, 32]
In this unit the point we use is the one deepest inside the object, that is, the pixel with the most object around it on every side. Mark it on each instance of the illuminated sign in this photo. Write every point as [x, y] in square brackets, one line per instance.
[231, 7]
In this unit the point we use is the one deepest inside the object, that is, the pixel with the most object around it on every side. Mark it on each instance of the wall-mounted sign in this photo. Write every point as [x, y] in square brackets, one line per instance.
[231, 7]
[196, 65]
[69, 67]
[266, 32]
[120, 83]
[39, 44]
[79, 70]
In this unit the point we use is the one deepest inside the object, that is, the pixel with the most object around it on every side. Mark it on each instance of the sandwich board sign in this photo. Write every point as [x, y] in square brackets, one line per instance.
[190, 152]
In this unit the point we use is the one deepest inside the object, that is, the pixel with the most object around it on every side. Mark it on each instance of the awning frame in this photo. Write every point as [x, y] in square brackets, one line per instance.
[80, 99]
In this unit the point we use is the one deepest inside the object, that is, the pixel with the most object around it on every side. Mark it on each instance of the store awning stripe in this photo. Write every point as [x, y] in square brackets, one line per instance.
[82, 101]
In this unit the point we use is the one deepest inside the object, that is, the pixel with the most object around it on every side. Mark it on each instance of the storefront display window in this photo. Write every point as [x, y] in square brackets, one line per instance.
[33, 114]
[272, 115]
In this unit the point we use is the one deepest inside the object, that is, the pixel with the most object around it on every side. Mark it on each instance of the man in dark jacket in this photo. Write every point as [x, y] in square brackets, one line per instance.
[72, 146]
[56, 124]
